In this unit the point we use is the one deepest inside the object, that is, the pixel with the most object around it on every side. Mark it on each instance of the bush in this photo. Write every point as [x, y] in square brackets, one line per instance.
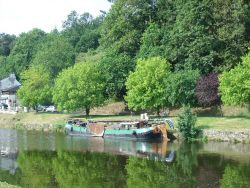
[186, 124]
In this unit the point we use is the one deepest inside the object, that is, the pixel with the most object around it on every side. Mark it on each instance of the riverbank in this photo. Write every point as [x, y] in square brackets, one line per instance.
[232, 129]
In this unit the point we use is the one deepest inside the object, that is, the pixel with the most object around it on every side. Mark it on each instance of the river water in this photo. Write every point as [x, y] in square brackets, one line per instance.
[37, 159]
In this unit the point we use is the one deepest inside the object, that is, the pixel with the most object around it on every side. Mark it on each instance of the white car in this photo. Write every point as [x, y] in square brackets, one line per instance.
[50, 109]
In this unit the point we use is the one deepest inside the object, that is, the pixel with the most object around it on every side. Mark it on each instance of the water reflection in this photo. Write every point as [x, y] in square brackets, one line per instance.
[34, 159]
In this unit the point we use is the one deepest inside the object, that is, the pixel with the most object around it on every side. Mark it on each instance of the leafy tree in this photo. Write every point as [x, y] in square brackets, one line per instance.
[24, 50]
[151, 42]
[180, 87]
[3, 67]
[56, 54]
[115, 68]
[207, 90]
[146, 86]
[124, 24]
[231, 20]
[204, 35]
[82, 31]
[36, 87]
[6, 43]
[78, 87]
[234, 84]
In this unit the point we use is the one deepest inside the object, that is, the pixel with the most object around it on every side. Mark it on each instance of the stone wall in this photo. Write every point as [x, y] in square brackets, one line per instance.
[229, 136]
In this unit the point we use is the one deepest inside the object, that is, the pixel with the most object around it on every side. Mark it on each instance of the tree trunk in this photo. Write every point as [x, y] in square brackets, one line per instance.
[158, 112]
[87, 111]
[221, 113]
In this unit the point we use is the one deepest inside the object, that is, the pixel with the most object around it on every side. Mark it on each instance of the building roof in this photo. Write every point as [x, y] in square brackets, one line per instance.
[9, 84]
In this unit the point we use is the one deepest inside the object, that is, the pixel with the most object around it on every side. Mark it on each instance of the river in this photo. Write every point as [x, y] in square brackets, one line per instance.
[38, 159]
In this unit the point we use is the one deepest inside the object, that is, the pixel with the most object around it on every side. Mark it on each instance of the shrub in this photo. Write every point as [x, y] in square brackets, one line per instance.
[186, 124]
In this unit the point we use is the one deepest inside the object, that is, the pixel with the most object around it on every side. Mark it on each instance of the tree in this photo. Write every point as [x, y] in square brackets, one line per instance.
[36, 87]
[180, 87]
[235, 85]
[56, 54]
[82, 31]
[24, 50]
[6, 43]
[207, 90]
[115, 68]
[124, 24]
[151, 42]
[78, 87]
[146, 86]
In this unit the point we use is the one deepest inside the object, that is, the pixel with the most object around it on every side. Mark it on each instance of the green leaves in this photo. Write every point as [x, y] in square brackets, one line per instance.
[186, 124]
[56, 53]
[235, 84]
[146, 89]
[36, 87]
[78, 87]
[180, 88]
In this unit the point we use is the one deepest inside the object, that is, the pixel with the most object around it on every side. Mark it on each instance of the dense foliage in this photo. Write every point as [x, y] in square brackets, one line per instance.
[146, 89]
[207, 90]
[196, 38]
[78, 87]
[36, 87]
[180, 88]
[235, 84]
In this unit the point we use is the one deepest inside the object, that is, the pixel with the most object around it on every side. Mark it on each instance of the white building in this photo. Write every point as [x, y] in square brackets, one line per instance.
[8, 90]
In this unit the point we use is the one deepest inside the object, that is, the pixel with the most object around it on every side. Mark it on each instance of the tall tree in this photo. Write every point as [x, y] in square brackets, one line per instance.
[121, 34]
[56, 53]
[24, 50]
[82, 31]
[79, 87]
[180, 88]
[36, 87]
[235, 84]
[146, 86]
[6, 43]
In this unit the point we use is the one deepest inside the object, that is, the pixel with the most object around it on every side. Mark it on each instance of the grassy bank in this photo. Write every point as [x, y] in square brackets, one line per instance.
[50, 120]
[38, 121]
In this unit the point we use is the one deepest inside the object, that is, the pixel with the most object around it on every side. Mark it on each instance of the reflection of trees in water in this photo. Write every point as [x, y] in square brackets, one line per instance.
[236, 176]
[36, 168]
[89, 170]
[86, 169]
[148, 173]
[71, 169]
[12, 179]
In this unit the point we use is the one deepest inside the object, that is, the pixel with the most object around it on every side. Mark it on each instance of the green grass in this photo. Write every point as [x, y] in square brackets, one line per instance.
[224, 123]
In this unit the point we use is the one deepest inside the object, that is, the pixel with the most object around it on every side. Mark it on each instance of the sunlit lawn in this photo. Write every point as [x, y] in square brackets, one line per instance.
[224, 123]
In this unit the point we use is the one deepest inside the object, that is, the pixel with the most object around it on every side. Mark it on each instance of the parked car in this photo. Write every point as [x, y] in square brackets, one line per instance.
[3, 106]
[41, 108]
[50, 109]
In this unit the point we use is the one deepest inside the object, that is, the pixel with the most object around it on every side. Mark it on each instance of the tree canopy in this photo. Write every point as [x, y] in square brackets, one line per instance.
[235, 84]
[146, 89]
[36, 87]
[78, 87]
